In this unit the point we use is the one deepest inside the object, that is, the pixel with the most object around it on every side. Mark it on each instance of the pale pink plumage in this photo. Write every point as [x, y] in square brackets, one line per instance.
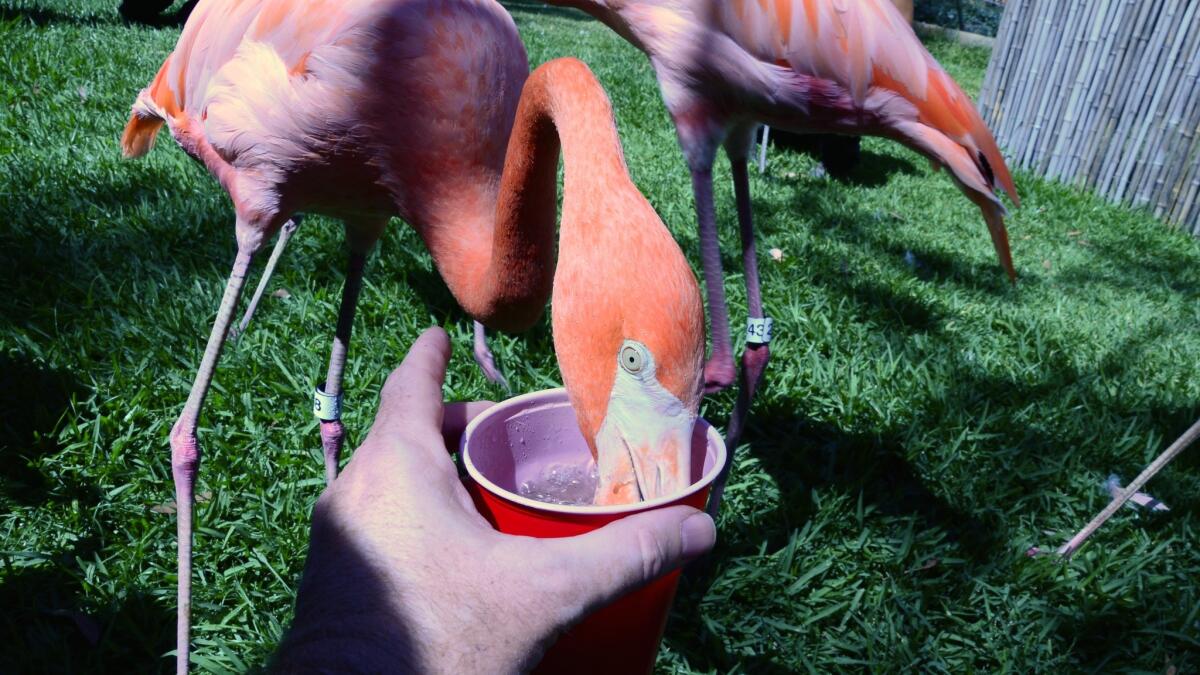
[291, 109]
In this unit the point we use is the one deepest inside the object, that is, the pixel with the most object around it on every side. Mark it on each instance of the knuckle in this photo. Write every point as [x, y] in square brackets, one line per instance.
[653, 554]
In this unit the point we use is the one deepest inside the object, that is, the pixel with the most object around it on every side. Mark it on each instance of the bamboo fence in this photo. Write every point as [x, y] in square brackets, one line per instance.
[1103, 94]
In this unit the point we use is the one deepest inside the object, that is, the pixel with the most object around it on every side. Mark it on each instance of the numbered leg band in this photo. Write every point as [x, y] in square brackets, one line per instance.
[758, 331]
[325, 407]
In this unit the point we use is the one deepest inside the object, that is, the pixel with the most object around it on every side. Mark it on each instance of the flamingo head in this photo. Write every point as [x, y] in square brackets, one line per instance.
[629, 336]
[644, 443]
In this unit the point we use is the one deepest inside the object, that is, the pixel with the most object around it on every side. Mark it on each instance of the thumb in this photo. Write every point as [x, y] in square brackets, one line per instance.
[633, 551]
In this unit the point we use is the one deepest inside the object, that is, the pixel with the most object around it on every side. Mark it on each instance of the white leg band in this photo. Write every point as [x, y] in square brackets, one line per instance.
[325, 407]
[758, 331]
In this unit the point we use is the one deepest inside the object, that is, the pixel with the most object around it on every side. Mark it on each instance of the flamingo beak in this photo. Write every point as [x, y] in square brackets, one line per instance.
[643, 454]
[664, 468]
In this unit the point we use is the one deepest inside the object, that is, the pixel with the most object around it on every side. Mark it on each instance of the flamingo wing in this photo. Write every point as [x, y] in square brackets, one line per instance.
[213, 50]
[866, 46]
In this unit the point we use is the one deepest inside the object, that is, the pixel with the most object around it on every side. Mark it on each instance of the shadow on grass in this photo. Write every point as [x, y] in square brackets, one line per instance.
[46, 628]
[704, 649]
[1020, 462]
[870, 232]
[150, 12]
[143, 12]
[39, 16]
[34, 398]
[800, 457]
[842, 157]
[797, 452]
[153, 13]
[1093, 631]
[1168, 270]
[57, 275]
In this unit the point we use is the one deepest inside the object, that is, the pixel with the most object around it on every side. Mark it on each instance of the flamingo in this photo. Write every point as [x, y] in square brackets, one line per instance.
[366, 109]
[850, 67]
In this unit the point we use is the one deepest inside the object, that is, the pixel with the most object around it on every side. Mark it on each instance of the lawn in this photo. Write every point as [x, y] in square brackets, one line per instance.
[921, 426]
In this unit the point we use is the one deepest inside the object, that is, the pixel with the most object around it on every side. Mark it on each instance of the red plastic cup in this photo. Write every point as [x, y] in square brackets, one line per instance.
[513, 442]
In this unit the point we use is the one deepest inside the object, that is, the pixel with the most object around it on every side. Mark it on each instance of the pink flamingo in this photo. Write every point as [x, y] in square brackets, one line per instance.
[366, 109]
[851, 67]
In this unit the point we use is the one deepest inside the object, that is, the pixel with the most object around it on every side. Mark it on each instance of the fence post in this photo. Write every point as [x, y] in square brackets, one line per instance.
[1104, 94]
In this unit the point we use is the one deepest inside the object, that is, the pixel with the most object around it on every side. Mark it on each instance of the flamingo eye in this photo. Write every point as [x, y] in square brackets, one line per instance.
[632, 357]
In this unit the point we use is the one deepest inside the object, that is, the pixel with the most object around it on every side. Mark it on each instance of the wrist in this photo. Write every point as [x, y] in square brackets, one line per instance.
[345, 618]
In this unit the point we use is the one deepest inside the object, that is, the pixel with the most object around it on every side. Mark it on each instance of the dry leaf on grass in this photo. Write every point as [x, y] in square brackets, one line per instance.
[927, 565]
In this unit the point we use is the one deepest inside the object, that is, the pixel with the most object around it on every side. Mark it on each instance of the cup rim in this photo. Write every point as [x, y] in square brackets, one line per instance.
[559, 394]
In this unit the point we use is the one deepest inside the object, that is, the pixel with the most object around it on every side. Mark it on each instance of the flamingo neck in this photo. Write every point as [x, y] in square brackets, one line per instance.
[508, 276]
[607, 13]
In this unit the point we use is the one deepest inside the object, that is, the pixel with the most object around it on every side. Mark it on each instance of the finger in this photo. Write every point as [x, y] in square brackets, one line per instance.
[633, 551]
[411, 400]
[456, 417]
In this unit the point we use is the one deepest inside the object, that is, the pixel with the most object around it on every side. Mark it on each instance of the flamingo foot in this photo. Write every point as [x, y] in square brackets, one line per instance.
[486, 360]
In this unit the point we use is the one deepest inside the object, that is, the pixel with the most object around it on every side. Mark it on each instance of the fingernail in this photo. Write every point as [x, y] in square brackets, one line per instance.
[697, 534]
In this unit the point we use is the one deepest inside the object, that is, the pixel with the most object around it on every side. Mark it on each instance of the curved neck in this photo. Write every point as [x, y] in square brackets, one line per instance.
[606, 13]
[562, 105]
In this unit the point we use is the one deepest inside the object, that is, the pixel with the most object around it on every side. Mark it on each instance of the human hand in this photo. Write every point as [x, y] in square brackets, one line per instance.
[403, 574]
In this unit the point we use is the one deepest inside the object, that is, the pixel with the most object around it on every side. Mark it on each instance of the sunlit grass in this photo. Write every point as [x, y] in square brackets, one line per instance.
[921, 426]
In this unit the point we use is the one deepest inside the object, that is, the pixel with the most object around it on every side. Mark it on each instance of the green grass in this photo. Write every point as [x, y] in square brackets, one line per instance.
[920, 428]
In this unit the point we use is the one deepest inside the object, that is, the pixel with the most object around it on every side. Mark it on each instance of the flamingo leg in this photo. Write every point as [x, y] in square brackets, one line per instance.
[719, 369]
[762, 149]
[756, 355]
[285, 233]
[485, 358]
[758, 351]
[333, 433]
[185, 451]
